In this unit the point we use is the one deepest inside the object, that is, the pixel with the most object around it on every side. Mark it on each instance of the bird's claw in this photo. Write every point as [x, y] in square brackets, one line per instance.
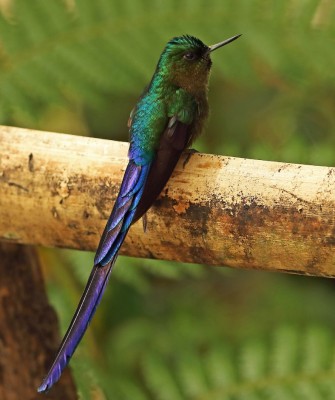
[189, 154]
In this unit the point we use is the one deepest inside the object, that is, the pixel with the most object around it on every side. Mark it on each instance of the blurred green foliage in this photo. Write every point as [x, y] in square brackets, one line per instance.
[164, 330]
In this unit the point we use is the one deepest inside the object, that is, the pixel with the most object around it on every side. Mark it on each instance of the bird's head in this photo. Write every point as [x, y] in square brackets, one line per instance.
[186, 63]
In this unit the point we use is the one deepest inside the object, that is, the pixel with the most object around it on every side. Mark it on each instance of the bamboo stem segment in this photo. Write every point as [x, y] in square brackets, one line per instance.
[58, 190]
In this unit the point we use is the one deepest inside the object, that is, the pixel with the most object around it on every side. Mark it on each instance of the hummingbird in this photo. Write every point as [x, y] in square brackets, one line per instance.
[167, 118]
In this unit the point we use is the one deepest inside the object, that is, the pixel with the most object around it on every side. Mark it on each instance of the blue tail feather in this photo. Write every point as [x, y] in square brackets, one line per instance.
[135, 177]
[114, 234]
[87, 306]
[120, 213]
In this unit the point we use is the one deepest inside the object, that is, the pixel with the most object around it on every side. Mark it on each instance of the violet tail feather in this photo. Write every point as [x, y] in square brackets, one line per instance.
[88, 303]
[114, 234]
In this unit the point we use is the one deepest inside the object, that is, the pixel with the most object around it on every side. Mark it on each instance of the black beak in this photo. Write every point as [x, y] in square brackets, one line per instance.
[218, 45]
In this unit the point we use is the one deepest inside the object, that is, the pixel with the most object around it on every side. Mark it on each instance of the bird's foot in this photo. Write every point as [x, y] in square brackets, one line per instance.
[189, 154]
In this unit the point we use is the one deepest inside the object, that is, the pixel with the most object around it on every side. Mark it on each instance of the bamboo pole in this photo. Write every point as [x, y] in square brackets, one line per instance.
[58, 190]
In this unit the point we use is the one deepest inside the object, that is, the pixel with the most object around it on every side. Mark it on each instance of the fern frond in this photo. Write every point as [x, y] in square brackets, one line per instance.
[260, 371]
[159, 379]
[112, 47]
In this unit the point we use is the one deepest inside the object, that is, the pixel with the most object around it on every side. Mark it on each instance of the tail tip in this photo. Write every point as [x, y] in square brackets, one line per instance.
[44, 387]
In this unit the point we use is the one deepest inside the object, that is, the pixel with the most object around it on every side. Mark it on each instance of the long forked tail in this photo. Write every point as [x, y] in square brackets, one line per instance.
[114, 234]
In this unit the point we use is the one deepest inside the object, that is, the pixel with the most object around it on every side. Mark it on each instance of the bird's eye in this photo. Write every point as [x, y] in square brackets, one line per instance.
[189, 56]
